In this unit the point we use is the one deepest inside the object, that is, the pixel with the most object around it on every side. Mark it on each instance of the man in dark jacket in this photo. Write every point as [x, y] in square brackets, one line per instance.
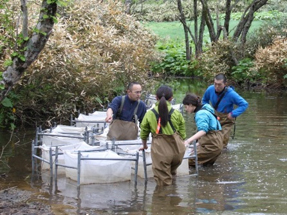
[127, 108]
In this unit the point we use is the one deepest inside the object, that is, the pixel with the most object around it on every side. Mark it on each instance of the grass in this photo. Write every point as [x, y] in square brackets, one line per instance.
[174, 30]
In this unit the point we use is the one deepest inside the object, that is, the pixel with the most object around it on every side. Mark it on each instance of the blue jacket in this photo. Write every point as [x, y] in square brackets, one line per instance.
[205, 120]
[128, 108]
[226, 104]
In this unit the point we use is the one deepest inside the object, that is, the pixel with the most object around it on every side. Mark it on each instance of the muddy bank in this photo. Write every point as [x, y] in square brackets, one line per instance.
[17, 201]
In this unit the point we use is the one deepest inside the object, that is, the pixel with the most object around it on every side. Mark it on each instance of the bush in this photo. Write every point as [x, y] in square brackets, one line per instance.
[271, 62]
[161, 12]
[219, 58]
[244, 72]
[265, 35]
[93, 52]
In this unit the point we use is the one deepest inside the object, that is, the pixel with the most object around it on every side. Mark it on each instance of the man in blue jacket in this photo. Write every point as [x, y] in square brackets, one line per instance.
[223, 99]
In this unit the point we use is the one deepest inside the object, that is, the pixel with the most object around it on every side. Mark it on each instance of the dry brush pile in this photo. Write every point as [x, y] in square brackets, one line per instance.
[271, 62]
[95, 49]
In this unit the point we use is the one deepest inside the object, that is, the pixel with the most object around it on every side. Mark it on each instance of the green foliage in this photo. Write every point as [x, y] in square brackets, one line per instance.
[244, 71]
[161, 11]
[174, 62]
[8, 113]
[7, 30]
[285, 67]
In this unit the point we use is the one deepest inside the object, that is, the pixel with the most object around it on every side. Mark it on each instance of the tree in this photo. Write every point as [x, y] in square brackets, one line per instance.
[246, 20]
[216, 31]
[28, 47]
[85, 63]
[186, 30]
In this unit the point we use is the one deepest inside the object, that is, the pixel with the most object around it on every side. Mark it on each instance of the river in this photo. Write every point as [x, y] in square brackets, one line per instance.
[248, 178]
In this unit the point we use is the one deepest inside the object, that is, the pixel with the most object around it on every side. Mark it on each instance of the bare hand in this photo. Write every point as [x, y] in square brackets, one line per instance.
[143, 148]
[229, 116]
[109, 119]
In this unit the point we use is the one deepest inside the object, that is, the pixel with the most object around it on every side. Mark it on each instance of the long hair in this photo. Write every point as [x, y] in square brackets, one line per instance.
[192, 99]
[163, 93]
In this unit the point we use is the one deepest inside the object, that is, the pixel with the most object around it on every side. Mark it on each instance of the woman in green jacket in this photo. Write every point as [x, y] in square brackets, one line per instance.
[167, 127]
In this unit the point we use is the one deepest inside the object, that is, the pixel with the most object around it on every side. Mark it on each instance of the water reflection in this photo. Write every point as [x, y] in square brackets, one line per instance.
[249, 177]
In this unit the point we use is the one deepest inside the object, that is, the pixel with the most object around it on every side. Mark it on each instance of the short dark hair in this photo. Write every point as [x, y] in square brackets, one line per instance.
[220, 76]
[131, 84]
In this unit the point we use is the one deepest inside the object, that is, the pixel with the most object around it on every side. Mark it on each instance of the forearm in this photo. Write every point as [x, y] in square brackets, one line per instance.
[195, 137]
[144, 142]
[109, 116]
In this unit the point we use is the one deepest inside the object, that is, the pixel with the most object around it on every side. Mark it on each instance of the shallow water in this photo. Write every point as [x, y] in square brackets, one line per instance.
[248, 178]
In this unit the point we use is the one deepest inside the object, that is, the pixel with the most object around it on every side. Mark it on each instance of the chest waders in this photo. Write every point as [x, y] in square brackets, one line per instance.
[226, 123]
[209, 148]
[124, 130]
[167, 152]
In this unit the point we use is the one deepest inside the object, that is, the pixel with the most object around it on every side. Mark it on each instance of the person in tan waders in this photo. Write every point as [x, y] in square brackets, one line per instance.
[223, 98]
[209, 134]
[167, 127]
[124, 113]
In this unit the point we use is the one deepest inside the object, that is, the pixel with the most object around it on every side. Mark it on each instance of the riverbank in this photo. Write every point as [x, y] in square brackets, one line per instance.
[17, 201]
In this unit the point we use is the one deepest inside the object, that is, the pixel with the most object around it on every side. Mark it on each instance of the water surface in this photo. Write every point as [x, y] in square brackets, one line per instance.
[248, 178]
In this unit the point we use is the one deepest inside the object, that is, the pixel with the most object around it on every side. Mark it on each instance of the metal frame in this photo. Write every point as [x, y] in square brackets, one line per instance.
[37, 142]
[82, 159]
[187, 157]
[96, 122]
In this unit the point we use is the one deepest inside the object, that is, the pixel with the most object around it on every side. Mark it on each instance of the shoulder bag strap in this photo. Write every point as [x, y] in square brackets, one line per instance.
[221, 96]
[212, 114]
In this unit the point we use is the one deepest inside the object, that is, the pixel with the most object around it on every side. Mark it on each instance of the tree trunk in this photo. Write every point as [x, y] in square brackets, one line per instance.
[246, 20]
[128, 4]
[186, 30]
[208, 21]
[197, 37]
[33, 47]
[227, 16]
[200, 36]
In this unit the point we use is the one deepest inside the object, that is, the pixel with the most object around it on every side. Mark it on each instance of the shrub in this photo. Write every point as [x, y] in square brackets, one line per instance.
[271, 62]
[161, 12]
[244, 72]
[219, 58]
[265, 35]
[93, 51]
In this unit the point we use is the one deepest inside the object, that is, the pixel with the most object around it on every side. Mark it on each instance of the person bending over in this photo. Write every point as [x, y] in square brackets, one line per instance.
[209, 134]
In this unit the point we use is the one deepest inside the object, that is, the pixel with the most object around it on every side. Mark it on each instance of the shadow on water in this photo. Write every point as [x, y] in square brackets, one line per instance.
[248, 177]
